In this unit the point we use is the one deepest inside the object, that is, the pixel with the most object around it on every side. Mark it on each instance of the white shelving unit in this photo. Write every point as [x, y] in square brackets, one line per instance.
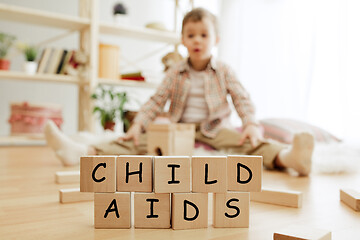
[87, 23]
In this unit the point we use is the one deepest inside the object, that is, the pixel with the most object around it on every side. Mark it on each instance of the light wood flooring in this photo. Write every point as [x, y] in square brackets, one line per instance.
[30, 208]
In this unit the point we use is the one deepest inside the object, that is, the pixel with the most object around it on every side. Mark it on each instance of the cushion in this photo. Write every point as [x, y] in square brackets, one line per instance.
[283, 130]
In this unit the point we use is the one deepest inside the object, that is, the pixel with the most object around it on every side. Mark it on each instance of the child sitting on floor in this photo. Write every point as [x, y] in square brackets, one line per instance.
[197, 89]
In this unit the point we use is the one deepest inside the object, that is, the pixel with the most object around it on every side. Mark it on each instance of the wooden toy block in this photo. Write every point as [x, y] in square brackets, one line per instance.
[134, 174]
[351, 198]
[278, 197]
[209, 174]
[112, 210]
[72, 195]
[189, 210]
[231, 210]
[172, 174]
[244, 173]
[302, 233]
[152, 210]
[171, 139]
[97, 174]
[67, 177]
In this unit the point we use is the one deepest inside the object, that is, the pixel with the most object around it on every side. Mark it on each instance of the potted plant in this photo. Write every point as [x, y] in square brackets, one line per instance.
[6, 42]
[120, 13]
[30, 53]
[109, 106]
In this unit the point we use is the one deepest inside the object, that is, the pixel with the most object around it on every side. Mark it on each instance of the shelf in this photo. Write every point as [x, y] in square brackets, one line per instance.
[140, 33]
[54, 78]
[30, 140]
[42, 18]
[127, 83]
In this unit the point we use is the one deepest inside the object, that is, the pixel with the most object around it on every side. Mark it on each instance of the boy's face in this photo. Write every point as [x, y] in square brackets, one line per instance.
[199, 38]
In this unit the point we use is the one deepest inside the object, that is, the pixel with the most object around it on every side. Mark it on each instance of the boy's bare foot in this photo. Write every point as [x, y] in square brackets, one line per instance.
[67, 150]
[298, 156]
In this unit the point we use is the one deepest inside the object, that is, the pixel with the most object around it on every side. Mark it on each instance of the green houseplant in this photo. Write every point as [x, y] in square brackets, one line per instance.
[110, 106]
[30, 53]
[6, 42]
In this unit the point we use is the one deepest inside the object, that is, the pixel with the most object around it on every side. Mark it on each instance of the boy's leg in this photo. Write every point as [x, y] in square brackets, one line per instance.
[227, 140]
[122, 148]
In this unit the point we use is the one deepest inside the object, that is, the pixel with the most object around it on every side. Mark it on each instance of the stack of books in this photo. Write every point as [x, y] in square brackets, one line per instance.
[135, 76]
[55, 61]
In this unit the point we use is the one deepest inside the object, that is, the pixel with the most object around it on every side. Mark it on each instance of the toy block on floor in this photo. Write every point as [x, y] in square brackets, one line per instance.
[172, 174]
[278, 197]
[171, 139]
[97, 174]
[112, 210]
[134, 174]
[302, 233]
[189, 210]
[72, 195]
[209, 174]
[244, 173]
[351, 198]
[67, 177]
[231, 210]
[152, 210]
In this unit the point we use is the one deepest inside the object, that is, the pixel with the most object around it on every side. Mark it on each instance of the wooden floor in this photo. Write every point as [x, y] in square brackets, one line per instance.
[30, 208]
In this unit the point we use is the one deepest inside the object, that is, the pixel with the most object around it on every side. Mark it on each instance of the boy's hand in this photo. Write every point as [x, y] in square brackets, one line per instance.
[252, 132]
[133, 133]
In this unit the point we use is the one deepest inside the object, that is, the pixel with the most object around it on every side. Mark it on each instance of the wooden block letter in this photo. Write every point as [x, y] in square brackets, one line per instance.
[134, 174]
[302, 233]
[72, 195]
[67, 177]
[189, 210]
[209, 174]
[97, 174]
[278, 197]
[351, 198]
[231, 210]
[112, 210]
[244, 173]
[172, 174]
[152, 210]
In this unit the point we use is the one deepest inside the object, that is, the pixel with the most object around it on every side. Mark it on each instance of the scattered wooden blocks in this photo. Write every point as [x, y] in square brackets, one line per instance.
[97, 174]
[351, 198]
[302, 233]
[134, 174]
[189, 210]
[278, 197]
[172, 174]
[112, 210]
[209, 174]
[67, 177]
[170, 139]
[244, 173]
[152, 210]
[74, 195]
[231, 210]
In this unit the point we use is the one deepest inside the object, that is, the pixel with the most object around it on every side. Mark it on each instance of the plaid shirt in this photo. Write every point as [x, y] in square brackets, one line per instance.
[220, 82]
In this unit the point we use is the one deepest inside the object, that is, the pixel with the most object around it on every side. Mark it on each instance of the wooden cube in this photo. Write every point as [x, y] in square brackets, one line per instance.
[209, 174]
[134, 174]
[152, 210]
[97, 174]
[67, 177]
[302, 233]
[286, 198]
[231, 210]
[351, 198]
[112, 210]
[72, 195]
[244, 173]
[172, 174]
[189, 210]
[171, 139]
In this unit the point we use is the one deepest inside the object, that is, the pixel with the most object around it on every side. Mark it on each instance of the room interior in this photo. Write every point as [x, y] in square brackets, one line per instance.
[298, 61]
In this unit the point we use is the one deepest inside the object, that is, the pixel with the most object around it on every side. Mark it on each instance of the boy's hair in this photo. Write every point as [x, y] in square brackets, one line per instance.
[198, 14]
